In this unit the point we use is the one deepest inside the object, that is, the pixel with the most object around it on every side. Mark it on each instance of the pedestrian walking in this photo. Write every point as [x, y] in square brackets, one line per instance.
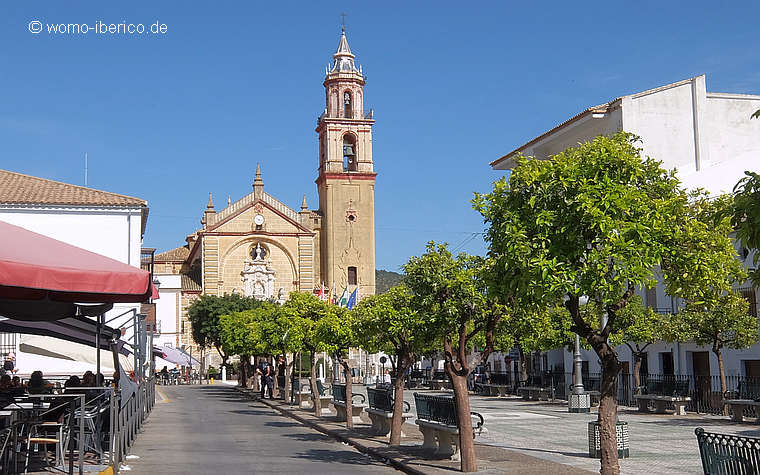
[266, 379]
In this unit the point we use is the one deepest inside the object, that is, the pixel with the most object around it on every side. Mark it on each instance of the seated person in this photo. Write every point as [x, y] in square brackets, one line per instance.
[58, 405]
[37, 385]
[72, 385]
[6, 397]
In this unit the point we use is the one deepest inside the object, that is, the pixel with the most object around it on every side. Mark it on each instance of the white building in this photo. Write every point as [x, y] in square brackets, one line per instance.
[710, 139]
[99, 221]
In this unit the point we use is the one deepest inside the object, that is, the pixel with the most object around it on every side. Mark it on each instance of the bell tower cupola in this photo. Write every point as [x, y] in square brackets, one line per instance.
[346, 181]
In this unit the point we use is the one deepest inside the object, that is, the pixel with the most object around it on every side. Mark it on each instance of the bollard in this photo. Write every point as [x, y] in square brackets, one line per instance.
[212, 380]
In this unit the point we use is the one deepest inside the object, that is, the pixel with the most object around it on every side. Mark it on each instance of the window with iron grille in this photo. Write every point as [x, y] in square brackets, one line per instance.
[7, 343]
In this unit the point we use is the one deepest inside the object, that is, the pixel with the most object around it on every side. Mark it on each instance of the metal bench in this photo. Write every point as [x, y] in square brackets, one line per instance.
[663, 393]
[728, 454]
[496, 385]
[535, 393]
[440, 381]
[438, 421]
[339, 402]
[380, 410]
[304, 395]
[737, 407]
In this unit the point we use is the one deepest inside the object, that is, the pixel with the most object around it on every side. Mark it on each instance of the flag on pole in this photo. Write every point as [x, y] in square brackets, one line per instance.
[343, 300]
[321, 294]
[353, 299]
[334, 297]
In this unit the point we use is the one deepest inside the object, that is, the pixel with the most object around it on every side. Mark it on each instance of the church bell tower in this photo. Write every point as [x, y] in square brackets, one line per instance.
[346, 181]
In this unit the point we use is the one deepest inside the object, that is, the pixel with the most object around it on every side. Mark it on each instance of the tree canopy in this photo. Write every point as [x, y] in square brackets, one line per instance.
[204, 314]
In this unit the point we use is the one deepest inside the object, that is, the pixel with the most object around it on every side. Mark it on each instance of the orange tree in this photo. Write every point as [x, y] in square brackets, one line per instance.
[390, 323]
[304, 310]
[450, 292]
[591, 221]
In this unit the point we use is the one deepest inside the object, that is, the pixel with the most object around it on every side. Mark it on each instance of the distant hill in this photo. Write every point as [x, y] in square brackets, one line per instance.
[385, 279]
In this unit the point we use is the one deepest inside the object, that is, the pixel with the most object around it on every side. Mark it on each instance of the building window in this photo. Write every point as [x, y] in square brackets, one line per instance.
[347, 105]
[352, 276]
[751, 298]
[349, 153]
[651, 298]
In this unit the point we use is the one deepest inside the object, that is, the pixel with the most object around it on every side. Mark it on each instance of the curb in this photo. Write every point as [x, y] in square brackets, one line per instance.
[397, 464]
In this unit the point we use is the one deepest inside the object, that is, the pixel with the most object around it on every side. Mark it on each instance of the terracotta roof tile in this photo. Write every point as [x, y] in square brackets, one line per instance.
[192, 280]
[178, 254]
[16, 188]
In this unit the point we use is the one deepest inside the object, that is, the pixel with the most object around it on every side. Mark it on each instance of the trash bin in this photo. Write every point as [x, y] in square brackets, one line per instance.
[595, 445]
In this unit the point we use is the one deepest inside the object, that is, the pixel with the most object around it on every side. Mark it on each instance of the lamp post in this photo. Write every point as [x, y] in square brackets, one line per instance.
[578, 401]
[383, 359]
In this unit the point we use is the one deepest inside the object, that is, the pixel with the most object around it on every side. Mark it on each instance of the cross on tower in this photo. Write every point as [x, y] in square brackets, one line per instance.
[343, 21]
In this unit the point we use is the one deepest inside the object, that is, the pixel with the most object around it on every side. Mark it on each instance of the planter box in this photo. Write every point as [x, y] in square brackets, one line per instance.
[594, 443]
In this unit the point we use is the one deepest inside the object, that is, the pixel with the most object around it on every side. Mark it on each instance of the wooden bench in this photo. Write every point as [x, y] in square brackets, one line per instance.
[728, 454]
[380, 410]
[438, 421]
[535, 393]
[339, 402]
[664, 393]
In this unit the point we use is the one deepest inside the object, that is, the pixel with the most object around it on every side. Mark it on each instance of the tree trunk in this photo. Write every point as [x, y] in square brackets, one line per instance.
[349, 392]
[462, 400]
[722, 373]
[608, 411]
[523, 366]
[636, 369]
[288, 372]
[398, 399]
[256, 386]
[313, 382]
[243, 374]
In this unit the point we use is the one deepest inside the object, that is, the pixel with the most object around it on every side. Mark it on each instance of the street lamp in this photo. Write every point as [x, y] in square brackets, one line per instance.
[383, 359]
[579, 401]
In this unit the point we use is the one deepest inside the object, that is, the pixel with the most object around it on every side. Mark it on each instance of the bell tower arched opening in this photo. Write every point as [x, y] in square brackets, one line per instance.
[348, 105]
[349, 153]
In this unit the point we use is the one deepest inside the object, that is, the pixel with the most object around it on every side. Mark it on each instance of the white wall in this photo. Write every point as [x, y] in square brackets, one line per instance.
[111, 232]
[167, 309]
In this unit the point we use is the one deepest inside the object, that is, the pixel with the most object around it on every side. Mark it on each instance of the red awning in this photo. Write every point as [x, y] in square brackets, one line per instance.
[34, 267]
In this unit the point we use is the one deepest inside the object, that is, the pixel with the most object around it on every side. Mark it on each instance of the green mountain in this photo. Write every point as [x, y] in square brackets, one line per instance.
[385, 279]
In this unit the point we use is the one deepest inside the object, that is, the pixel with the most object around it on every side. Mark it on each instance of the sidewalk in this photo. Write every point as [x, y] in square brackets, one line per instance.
[409, 457]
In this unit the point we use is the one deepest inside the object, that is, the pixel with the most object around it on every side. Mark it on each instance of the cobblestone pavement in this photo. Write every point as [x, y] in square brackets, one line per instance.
[659, 444]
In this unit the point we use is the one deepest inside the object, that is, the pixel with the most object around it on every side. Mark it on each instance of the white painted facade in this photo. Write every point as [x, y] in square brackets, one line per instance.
[112, 231]
[168, 310]
[709, 138]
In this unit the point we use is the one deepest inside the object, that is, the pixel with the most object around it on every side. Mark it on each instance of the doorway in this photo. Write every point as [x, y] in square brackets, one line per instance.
[702, 382]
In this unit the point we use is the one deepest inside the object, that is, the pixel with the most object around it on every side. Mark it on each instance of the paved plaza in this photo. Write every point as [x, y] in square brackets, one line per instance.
[661, 444]
[216, 429]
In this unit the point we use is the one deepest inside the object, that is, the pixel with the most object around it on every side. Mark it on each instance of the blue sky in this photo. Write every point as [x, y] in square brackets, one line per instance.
[171, 117]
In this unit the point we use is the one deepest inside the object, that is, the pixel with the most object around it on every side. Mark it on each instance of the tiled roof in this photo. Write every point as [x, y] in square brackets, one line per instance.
[16, 188]
[192, 280]
[178, 254]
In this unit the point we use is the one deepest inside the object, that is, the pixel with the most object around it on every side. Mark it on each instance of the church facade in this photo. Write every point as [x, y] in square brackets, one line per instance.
[260, 247]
